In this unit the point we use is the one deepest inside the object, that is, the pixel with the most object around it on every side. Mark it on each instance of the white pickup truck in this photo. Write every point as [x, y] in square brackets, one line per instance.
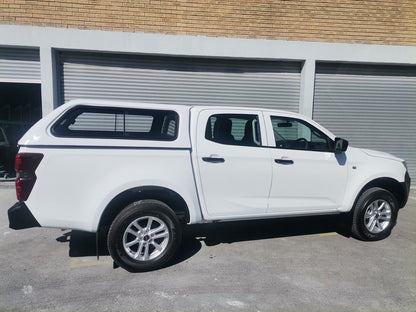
[140, 172]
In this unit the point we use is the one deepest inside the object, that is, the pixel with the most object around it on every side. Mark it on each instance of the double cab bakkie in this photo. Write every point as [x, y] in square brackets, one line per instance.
[140, 172]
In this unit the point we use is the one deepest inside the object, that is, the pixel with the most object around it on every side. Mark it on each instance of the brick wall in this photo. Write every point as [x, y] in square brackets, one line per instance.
[354, 21]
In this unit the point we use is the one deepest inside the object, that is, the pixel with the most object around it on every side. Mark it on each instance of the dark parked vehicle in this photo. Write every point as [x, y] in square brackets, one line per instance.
[9, 136]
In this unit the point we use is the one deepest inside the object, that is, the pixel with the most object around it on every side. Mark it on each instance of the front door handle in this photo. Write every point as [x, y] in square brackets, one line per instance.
[215, 160]
[284, 161]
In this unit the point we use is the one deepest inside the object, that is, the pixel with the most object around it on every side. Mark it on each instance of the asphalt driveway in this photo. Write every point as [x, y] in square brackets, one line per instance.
[298, 264]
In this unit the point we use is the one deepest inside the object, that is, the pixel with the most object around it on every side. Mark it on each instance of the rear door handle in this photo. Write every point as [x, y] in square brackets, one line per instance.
[215, 160]
[284, 161]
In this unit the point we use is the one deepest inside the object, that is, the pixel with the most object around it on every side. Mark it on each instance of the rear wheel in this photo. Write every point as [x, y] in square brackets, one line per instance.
[375, 214]
[144, 236]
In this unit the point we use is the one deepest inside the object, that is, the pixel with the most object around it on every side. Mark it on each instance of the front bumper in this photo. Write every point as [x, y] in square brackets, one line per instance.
[20, 217]
[406, 190]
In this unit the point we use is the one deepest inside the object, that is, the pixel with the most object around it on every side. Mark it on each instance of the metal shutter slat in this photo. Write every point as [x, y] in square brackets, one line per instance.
[176, 80]
[19, 65]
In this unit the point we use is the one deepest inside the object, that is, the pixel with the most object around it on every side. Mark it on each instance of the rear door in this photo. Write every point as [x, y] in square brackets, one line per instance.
[234, 166]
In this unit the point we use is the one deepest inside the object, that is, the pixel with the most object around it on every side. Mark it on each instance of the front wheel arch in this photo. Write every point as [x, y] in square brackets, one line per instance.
[389, 184]
[374, 214]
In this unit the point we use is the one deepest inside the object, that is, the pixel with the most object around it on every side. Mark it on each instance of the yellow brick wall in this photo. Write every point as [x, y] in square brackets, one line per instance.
[353, 21]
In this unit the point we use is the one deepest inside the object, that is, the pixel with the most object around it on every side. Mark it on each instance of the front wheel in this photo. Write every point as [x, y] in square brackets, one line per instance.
[374, 215]
[144, 236]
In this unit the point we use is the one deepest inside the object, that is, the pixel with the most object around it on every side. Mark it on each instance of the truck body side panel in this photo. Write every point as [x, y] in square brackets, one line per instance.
[79, 183]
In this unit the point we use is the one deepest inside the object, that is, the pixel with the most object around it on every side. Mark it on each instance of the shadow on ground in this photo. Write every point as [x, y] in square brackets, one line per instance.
[82, 244]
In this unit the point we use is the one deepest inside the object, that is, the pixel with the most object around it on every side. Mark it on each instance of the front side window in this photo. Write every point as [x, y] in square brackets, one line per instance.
[234, 129]
[291, 133]
[96, 122]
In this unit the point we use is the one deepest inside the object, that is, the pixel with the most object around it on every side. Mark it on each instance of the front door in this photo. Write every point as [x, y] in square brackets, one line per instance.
[307, 175]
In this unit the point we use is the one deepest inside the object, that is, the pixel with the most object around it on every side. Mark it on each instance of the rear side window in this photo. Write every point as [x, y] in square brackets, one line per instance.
[233, 129]
[139, 124]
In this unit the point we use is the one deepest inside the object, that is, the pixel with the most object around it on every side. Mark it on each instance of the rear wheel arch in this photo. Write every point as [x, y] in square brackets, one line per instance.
[125, 198]
[144, 236]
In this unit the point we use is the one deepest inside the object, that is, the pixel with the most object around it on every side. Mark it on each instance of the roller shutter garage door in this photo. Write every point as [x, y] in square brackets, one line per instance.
[180, 80]
[19, 65]
[371, 106]
[20, 101]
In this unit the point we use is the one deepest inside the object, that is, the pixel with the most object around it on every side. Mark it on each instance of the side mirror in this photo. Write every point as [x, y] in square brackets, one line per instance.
[340, 145]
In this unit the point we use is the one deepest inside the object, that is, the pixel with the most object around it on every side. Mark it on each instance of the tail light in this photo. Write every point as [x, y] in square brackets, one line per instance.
[25, 165]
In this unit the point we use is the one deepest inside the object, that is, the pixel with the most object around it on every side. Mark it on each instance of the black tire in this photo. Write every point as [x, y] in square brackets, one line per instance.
[374, 215]
[136, 246]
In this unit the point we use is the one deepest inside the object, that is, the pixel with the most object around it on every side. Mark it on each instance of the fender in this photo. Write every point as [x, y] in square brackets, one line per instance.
[185, 205]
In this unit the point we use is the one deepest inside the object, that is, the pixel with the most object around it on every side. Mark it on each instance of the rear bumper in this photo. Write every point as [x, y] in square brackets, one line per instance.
[20, 217]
